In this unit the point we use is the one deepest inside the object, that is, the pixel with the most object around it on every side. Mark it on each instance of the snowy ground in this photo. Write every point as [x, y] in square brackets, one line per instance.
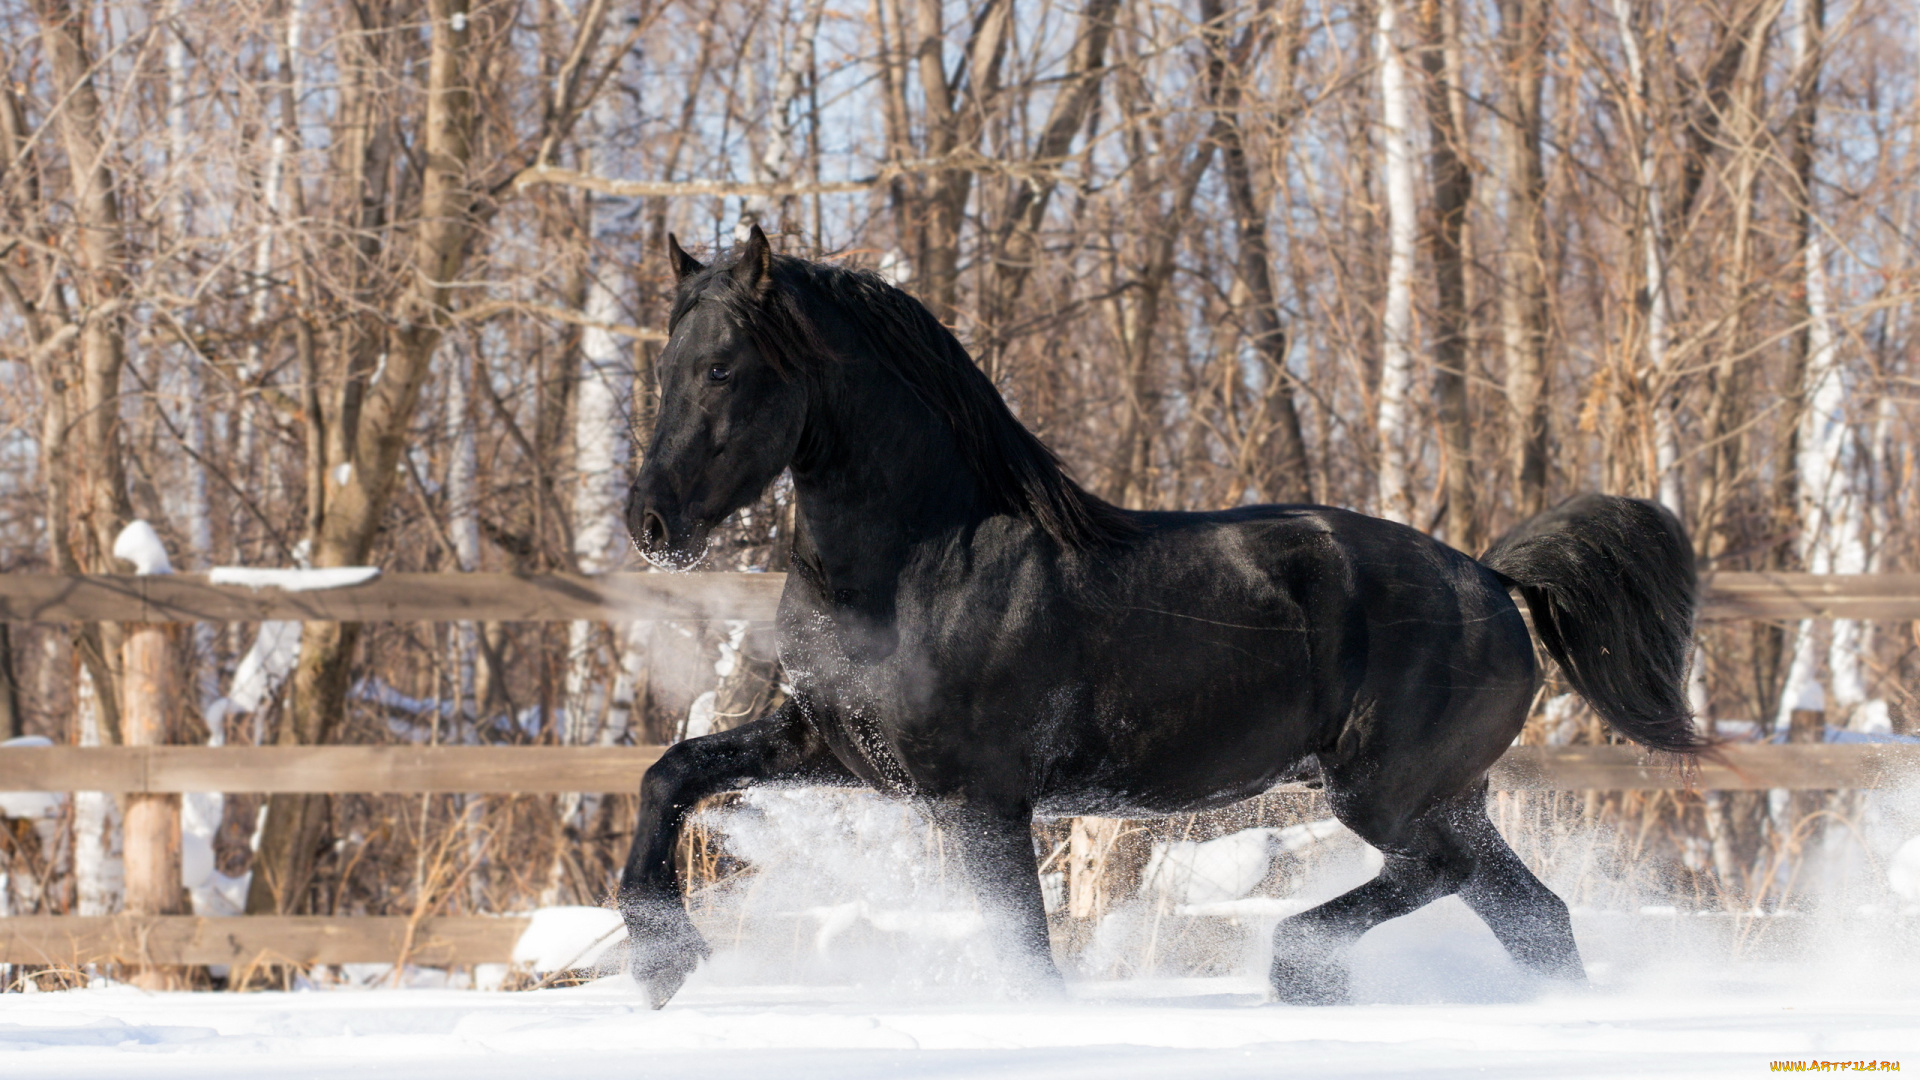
[1440, 1001]
[851, 954]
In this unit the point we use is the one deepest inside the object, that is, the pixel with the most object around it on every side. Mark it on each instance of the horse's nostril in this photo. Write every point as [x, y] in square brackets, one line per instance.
[653, 530]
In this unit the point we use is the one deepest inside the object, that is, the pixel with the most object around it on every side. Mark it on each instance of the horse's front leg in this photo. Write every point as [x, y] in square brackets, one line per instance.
[995, 842]
[662, 945]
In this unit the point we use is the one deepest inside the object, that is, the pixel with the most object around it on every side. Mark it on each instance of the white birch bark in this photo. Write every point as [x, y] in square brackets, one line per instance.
[1833, 514]
[602, 449]
[200, 811]
[273, 188]
[1653, 254]
[776, 159]
[1394, 421]
[463, 529]
[463, 519]
[99, 875]
[199, 526]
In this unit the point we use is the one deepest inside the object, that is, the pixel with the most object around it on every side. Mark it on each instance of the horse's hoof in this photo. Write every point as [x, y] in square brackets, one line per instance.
[661, 988]
[664, 965]
[1309, 982]
[1037, 986]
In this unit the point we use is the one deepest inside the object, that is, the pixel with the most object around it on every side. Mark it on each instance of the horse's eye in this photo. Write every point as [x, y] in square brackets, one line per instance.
[719, 373]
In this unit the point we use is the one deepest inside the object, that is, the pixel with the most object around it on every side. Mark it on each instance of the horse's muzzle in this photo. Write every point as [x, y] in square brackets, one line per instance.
[669, 539]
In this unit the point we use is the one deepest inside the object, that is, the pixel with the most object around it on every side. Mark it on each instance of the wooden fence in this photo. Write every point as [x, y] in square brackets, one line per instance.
[534, 770]
[174, 940]
[54, 598]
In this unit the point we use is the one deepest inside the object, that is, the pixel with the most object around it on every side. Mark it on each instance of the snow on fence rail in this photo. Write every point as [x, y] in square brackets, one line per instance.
[55, 598]
[486, 597]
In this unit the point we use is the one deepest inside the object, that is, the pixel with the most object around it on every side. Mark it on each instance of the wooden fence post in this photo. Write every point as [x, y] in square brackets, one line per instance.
[150, 845]
[151, 838]
[1097, 870]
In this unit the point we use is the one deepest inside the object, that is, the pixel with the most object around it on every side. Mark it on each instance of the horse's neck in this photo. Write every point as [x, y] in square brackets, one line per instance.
[889, 483]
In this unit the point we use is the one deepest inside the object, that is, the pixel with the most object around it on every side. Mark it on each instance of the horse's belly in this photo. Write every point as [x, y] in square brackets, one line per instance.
[1190, 762]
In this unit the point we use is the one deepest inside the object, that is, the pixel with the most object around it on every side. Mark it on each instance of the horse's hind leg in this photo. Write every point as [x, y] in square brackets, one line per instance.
[1528, 919]
[663, 946]
[1451, 848]
[1421, 862]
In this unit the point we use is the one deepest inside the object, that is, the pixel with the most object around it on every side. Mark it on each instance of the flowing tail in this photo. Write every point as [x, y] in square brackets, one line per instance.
[1611, 585]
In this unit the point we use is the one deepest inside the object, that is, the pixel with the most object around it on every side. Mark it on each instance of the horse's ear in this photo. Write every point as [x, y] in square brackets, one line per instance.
[756, 262]
[684, 265]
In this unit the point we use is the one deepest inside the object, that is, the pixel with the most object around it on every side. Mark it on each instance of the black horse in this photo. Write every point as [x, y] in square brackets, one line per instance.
[967, 628]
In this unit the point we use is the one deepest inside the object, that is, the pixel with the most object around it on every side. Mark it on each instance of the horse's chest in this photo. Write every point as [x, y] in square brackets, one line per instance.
[872, 699]
[865, 747]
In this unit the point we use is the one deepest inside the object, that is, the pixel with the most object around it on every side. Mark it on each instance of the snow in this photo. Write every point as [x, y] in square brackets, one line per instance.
[852, 953]
[293, 580]
[1225, 869]
[1872, 717]
[833, 920]
[30, 805]
[1903, 871]
[1812, 697]
[141, 546]
[563, 938]
[276, 647]
[1681, 1019]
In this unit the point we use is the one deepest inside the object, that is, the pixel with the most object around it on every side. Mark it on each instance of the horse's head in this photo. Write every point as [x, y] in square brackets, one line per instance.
[730, 413]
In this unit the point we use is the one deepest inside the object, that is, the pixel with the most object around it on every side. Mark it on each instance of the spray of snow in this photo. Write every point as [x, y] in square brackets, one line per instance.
[845, 888]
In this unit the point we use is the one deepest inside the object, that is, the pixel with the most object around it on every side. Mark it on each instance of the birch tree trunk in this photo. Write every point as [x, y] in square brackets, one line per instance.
[1655, 379]
[90, 456]
[1744, 136]
[463, 530]
[1393, 426]
[99, 874]
[1452, 181]
[602, 449]
[1289, 474]
[1523, 300]
[780, 155]
[1831, 508]
[954, 124]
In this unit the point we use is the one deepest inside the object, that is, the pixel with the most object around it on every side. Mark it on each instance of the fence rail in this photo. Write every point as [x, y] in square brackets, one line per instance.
[269, 770]
[304, 940]
[551, 769]
[56, 598]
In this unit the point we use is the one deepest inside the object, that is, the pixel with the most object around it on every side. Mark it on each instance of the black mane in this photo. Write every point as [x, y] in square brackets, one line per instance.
[1015, 469]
